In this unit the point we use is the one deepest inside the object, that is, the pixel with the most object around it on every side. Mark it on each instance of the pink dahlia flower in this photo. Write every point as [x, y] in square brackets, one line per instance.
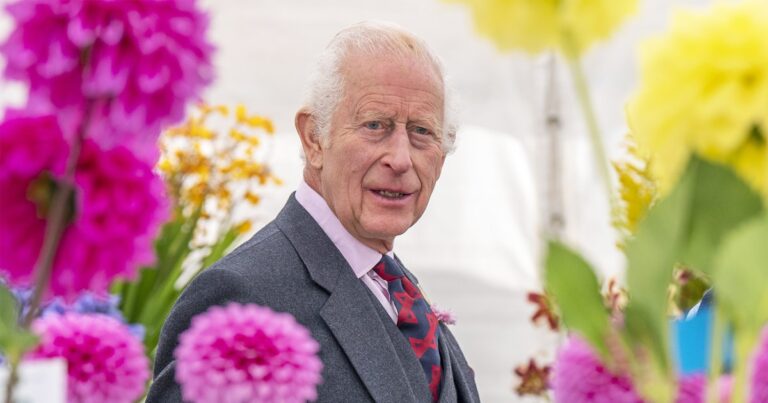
[145, 60]
[117, 209]
[579, 376]
[759, 381]
[105, 362]
[247, 353]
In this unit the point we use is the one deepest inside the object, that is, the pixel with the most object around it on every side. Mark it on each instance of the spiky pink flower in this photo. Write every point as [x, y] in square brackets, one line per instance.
[444, 315]
[691, 388]
[105, 362]
[137, 62]
[247, 353]
[579, 376]
[118, 206]
[759, 381]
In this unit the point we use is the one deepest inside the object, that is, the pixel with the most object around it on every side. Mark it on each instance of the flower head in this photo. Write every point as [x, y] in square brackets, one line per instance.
[544, 310]
[579, 376]
[138, 62]
[444, 315]
[117, 208]
[534, 380]
[105, 363]
[704, 90]
[759, 381]
[247, 353]
[537, 25]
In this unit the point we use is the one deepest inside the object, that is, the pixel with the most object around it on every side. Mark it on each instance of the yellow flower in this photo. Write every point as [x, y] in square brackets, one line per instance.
[538, 25]
[704, 90]
[637, 189]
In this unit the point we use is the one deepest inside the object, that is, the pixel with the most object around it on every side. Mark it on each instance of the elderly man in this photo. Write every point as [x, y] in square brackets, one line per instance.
[375, 132]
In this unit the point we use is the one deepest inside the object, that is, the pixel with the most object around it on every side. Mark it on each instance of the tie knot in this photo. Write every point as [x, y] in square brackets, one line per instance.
[388, 269]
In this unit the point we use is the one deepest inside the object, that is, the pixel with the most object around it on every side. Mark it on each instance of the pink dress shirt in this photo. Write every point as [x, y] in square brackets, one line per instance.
[360, 257]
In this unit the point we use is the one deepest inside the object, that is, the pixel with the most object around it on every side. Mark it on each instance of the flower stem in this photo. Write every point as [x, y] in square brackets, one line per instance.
[595, 135]
[54, 229]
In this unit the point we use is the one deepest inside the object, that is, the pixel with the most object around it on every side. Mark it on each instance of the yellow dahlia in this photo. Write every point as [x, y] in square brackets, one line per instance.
[704, 90]
[537, 25]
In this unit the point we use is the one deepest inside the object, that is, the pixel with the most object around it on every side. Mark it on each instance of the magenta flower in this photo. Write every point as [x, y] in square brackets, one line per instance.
[579, 376]
[105, 363]
[139, 62]
[247, 353]
[444, 315]
[118, 207]
[759, 381]
[691, 389]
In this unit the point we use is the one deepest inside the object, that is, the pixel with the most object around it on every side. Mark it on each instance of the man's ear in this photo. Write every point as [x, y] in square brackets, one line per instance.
[309, 134]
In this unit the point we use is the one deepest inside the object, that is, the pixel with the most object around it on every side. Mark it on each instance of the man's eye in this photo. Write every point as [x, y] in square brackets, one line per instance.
[421, 130]
[375, 125]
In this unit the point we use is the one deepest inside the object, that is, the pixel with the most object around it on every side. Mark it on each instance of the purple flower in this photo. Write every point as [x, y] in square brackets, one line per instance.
[579, 376]
[759, 381]
[88, 303]
[247, 353]
[118, 206]
[138, 62]
[105, 363]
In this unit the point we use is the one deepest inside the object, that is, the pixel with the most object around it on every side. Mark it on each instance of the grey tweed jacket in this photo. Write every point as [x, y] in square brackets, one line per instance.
[292, 266]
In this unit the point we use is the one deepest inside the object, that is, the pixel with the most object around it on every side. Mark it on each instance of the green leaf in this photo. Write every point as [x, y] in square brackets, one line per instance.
[683, 228]
[573, 285]
[740, 275]
[9, 309]
[720, 202]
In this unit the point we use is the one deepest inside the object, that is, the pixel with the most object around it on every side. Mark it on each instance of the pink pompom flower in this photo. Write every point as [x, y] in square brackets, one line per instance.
[138, 62]
[579, 376]
[105, 362]
[247, 353]
[444, 315]
[759, 381]
[118, 206]
[691, 388]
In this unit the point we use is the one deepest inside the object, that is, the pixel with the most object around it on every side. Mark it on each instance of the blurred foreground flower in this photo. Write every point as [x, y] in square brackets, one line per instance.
[105, 363]
[139, 63]
[571, 26]
[759, 388]
[714, 101]
[102, 241]
[91, 304]
[534, 380]
[580, 377]
[247, 353]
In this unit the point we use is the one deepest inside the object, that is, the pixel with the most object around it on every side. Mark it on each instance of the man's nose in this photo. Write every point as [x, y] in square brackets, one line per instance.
[398, 153]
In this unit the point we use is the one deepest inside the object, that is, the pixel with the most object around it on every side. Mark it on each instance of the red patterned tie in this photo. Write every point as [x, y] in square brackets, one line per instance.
[415, 320]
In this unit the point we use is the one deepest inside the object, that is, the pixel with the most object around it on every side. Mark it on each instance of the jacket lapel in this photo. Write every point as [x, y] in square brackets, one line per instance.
[348, 312]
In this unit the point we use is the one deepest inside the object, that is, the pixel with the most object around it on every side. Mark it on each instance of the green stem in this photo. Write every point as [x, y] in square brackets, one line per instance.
[595, 135]
[56, 222]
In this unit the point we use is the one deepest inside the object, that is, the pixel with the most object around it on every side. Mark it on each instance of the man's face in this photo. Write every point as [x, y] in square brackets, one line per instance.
[384, 153]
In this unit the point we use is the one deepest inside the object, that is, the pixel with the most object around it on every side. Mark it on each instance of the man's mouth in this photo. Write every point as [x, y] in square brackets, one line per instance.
[391, 194]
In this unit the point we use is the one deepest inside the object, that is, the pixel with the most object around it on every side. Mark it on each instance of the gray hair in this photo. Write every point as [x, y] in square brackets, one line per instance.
[326, 85]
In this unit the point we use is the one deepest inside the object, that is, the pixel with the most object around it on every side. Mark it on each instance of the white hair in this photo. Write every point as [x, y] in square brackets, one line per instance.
[326, 85]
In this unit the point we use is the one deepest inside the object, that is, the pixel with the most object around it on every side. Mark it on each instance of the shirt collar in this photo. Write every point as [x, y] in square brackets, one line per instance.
[360, 257]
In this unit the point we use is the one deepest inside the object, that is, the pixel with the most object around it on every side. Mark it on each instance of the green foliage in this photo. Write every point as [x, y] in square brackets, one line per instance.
[575, 289]
[148, 300]
[14, 341]
[684, 228]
